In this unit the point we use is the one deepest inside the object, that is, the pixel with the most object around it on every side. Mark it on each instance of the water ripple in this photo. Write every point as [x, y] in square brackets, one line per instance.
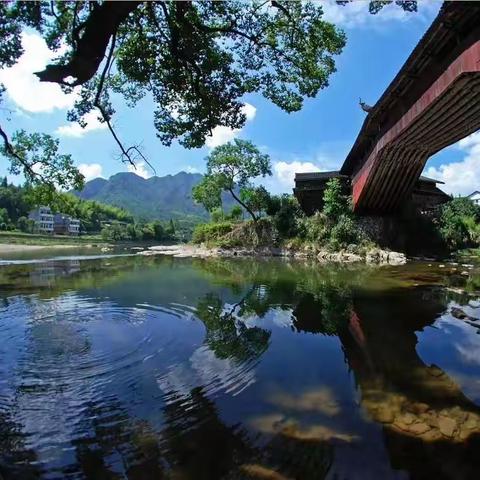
[74, 370]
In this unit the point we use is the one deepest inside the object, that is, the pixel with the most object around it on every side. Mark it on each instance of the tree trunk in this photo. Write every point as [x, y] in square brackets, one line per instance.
[244, 206]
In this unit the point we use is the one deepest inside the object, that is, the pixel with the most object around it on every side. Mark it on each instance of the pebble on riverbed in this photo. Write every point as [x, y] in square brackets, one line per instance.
[414, 418]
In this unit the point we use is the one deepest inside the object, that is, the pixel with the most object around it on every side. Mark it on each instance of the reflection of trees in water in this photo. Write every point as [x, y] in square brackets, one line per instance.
[16, 459]
[431, 428]
[227, 336]
[55, 277]
[319, 298]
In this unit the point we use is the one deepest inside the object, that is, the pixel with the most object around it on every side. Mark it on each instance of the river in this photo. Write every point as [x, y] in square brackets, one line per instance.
[117, 367]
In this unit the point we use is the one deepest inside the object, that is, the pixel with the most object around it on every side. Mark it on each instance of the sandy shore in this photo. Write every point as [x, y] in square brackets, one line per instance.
[14, 248]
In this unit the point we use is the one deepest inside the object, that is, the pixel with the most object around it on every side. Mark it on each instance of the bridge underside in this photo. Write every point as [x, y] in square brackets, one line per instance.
[448, 111]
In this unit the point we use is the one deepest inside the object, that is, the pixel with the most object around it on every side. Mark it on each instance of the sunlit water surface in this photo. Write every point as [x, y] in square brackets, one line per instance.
[153, 368]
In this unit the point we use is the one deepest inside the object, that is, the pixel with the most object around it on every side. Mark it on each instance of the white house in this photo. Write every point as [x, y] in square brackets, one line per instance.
[43, 218]
[65, 225]
[475, 197]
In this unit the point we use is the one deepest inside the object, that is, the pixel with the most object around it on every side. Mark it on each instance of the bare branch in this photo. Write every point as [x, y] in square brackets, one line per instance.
[11, 151]
[126, 152]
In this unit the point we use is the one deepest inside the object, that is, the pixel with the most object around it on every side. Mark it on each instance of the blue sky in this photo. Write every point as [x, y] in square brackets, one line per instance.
[316, 138]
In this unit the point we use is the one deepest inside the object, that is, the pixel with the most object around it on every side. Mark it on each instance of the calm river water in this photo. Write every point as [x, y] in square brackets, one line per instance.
[163, 368]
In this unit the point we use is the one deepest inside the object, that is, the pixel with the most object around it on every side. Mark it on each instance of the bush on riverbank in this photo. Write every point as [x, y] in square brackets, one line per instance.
[211, 233]
[459, 223]
[285, 224]
[116, 231]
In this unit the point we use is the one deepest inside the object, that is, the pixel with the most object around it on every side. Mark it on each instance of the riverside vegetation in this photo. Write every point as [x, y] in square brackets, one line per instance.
[278, 220]
[112, 223]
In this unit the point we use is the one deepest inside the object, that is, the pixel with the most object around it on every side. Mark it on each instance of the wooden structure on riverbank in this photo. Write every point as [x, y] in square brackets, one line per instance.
[309, 189]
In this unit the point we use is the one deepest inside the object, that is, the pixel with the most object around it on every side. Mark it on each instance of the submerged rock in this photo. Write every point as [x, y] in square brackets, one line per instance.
[447, 426]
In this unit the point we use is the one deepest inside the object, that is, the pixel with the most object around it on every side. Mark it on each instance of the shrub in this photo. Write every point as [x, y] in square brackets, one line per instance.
[287, 219]
[115, 232]
[335, 202]
[148, 231]
[473, 229]
[217, 215]
[315, 228]
[459, 223]
[23, 224]
[236, 213]
[211, 232]
[344, 232]
[158, 231]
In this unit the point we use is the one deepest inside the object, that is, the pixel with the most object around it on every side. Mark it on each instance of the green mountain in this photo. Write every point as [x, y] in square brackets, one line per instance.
[154, 198]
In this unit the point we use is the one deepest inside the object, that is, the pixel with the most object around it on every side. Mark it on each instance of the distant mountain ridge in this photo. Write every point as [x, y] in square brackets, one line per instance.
[151, 198]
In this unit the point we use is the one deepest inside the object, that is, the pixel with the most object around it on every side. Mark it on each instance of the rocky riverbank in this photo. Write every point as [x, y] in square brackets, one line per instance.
[372, 256]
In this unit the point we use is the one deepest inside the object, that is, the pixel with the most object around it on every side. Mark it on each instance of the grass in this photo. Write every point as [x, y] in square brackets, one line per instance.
[21, 238]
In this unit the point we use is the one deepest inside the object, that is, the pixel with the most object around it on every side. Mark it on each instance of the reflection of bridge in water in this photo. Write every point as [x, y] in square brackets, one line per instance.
[430, 426]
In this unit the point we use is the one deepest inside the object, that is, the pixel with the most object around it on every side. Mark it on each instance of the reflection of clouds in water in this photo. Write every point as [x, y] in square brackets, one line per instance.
[206, 370]
[276, 316]
[469, 350]
[467, 342]
[470, 385]
[49, 400]
[278, 423]
[282, 318]
[321, 400]
[70, 349]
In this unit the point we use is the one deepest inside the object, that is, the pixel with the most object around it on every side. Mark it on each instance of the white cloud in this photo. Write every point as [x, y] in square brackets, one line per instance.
[250, 111]
[75, 130]
[190, 169]
[221, 134]
[140, 169]
[356, 14]
[463, 177]
[284, 172]
[24, 88]
[90, 170]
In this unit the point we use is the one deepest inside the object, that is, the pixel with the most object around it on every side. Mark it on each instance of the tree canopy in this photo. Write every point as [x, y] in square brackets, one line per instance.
[197, 59]
[231, 168]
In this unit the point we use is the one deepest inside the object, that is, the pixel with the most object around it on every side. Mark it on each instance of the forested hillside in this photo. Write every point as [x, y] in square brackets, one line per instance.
[155, 198]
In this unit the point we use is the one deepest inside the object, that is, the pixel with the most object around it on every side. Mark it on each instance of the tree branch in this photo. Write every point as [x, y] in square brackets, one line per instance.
[11, 151]
[282, 8]
[101, 24]
[106, 118]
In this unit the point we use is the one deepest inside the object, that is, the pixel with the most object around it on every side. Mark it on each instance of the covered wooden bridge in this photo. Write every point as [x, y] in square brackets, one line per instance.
[433, 101]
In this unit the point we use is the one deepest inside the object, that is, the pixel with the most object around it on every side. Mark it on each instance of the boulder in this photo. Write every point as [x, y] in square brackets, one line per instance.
[447, 426]
[397, 258]
[419, 428]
